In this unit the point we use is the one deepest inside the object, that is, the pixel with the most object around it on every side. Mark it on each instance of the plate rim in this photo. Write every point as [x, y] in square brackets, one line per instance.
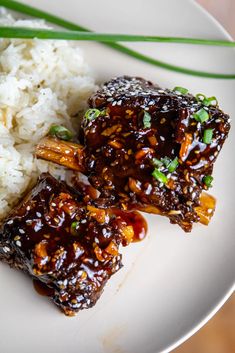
[229, 291]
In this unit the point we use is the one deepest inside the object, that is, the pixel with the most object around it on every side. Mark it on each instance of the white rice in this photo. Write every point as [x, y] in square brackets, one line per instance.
[41, 83]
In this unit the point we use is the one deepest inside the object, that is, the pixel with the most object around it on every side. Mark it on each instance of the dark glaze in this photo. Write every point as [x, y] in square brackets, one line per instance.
[74, 263]
[132, 218]
[86, 189]
[137, 221]
[42, 289]
[120, 150]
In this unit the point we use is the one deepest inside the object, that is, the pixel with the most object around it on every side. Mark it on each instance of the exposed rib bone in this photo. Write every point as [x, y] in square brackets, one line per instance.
[71, 155]
[64, 153]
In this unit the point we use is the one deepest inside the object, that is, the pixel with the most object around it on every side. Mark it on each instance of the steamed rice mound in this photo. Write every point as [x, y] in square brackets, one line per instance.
[41, 83]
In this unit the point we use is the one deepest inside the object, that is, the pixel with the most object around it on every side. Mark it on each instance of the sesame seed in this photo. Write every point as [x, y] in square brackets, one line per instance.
[174, 212]
[149, 189]
[6, 249]
[18, 243]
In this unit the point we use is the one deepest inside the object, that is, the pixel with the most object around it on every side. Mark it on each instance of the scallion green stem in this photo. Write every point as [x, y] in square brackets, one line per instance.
[29, 33]
[31, 11]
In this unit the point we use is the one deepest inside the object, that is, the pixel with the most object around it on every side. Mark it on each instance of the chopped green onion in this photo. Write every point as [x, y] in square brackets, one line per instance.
[207, 136]
[166, 161]
[147, 120]
[200, 97]
[159, 176]
[157, 162]
[210, 101]
[201, 115]
[207, 101]
[181, 90]
[92, 114]
[207, 180]
[61, 132]
[173, 165]
[74, 227]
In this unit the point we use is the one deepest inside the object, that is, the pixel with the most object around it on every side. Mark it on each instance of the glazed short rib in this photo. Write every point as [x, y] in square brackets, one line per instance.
[151, 147]
[147, 148]
[70, 247]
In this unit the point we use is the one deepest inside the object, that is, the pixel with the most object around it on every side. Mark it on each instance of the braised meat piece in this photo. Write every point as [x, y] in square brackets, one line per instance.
[152, 147]
[70, 247]
[147, 148]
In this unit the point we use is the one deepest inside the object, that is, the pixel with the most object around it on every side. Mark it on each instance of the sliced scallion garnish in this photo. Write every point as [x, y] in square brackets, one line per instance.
[207, 180]
[207, 101]
[210, 101]
[61, 132]
[74, 227]
[166, 161]
[201, 115]
[207, 136]
[92, 114]
[31, 11]
[157, 162]
[159, 176]
[173, 165]
[180, 90]
[200, 97]
[147, 120]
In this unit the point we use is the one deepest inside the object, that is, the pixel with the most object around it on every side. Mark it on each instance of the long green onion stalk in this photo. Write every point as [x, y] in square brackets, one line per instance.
[22, 32]
[107, 39]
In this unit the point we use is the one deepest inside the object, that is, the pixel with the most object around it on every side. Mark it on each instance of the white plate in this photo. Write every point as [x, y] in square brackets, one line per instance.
[172, 283]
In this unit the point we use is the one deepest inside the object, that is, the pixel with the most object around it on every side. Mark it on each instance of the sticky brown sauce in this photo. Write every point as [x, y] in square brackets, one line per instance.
[137, 221]
[85, 189]
[42, 288]
[132, 218]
